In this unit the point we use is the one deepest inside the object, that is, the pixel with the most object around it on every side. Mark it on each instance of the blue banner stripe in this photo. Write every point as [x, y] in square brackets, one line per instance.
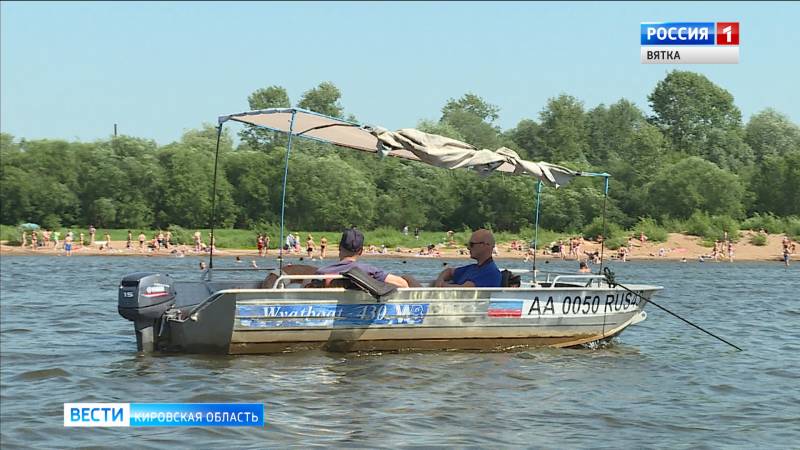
[678, 33]
[197, 414]
[331, 315]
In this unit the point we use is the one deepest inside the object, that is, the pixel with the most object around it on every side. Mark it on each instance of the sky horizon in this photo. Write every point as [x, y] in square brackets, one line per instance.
[72, 70]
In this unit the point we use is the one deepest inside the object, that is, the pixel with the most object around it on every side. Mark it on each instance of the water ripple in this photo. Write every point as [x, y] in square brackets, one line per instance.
[662, 384]
[42, 374]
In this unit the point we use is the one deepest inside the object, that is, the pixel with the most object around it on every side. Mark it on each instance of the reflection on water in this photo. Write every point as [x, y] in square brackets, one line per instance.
[662, 384]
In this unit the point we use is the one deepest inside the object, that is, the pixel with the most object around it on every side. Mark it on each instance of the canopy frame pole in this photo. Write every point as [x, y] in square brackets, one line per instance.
[536, 229]
[214, 200]
[605, 234]
[283, 194]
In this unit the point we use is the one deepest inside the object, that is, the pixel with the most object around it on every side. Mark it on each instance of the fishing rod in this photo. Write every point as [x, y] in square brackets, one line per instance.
[611, 282]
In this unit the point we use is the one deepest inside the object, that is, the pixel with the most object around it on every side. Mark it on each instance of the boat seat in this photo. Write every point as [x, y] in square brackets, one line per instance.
[355, 278]
[508, 279]
[291, 269]
[366, 283]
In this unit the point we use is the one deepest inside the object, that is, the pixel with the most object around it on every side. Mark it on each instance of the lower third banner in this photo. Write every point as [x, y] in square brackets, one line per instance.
[163, 415]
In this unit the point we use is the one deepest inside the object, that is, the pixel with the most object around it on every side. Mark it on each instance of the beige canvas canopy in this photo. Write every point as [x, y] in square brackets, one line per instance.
[406, 143]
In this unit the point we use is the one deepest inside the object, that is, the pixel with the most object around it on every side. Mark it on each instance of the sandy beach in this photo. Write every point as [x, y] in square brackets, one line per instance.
[677, 247]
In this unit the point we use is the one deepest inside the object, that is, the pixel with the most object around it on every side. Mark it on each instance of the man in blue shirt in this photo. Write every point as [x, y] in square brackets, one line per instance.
[351, 246]
[483, 274]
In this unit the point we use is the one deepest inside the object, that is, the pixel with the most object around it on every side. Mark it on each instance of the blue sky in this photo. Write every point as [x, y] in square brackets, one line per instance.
[71, 70]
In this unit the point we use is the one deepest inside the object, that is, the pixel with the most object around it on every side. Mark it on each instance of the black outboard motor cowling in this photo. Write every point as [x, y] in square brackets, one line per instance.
[144, 297]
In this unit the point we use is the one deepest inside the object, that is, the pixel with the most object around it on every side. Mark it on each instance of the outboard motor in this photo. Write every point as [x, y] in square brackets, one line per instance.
[143, 298]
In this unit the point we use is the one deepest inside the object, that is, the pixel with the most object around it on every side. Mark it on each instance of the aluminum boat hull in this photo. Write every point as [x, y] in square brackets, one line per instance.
[236, 318]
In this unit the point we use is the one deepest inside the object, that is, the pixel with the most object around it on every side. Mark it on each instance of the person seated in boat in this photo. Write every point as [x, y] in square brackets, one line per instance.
[483, 274]
[351, 246]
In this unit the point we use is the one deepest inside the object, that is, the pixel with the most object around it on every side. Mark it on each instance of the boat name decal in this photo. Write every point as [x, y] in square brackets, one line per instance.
[569, 305]
[331, 315]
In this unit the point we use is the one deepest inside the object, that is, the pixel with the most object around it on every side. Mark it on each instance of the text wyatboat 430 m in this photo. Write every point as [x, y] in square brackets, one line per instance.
[284, 312]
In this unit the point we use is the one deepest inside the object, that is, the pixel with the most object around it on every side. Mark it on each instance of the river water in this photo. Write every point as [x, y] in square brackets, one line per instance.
[663, 384]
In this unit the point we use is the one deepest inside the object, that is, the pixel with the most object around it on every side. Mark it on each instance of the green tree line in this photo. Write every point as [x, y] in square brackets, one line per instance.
[693, 155]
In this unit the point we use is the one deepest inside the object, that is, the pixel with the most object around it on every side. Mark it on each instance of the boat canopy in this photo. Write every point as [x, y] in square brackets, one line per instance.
[407, 143]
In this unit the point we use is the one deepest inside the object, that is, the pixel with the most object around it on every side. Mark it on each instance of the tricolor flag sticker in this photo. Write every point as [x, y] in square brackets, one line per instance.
[505, 308]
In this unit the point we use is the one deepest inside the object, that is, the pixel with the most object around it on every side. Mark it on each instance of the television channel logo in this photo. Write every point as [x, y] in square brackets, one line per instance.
[689, 42]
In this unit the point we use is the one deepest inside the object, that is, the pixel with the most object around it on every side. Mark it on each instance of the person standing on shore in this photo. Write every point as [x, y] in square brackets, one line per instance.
[622, 253]
[24, 239]
[142, 238]
[107, 237]
[92, 233]
[34, 240]
[128, 244]
[310, 246]
[56, 238]
[82, 240]
[266, 244]
[260, 244]
[68, 244]
[167, 239]
[323, 247]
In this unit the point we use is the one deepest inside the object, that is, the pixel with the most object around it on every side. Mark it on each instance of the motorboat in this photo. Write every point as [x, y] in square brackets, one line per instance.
[239, 317]
[292, 308]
